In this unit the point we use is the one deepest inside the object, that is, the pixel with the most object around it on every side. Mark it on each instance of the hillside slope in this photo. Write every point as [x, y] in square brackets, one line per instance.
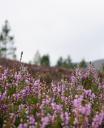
[42, 72]
[98, 63]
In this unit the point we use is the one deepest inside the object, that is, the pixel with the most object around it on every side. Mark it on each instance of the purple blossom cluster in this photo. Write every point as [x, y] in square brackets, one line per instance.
[26, 102]
[98, 119]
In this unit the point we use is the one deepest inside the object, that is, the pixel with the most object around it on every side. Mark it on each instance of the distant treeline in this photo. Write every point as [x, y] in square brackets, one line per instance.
[7, 50]
[44, 60]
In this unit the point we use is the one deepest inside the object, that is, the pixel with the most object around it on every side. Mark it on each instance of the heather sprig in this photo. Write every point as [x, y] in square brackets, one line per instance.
[26, 102]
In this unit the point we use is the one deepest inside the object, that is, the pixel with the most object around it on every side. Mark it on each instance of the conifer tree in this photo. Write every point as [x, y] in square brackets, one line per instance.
[7, 49]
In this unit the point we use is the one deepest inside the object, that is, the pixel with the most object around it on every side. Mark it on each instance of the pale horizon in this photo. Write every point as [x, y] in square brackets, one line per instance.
[57, 27]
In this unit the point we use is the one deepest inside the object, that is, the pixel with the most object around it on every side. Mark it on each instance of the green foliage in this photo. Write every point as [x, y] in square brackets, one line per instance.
[31, 100]
[11, 91]
[57, 124]
[1, 121]
[83, 64]
[45, 60]
[48, 110]
[17, 121]
[89, 83]
[60, 62]
[1, 89]
[66, 63]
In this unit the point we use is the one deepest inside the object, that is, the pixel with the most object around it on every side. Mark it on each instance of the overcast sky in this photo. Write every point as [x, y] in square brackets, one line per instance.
[57, 27]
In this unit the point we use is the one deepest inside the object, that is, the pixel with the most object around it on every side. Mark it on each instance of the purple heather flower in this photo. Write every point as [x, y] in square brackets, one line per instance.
[77, 101]
[31, 120]
[85, 109]
[3, 95]
[97, 120]
[45, 121]
[22, 125]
